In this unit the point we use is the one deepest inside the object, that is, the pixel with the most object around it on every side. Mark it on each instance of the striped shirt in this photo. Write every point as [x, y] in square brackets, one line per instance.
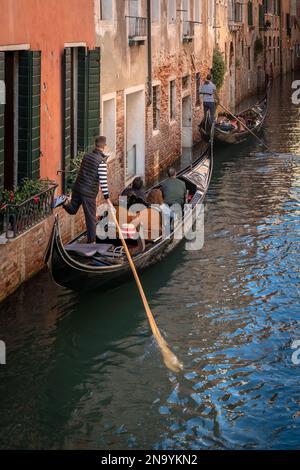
[102, 173]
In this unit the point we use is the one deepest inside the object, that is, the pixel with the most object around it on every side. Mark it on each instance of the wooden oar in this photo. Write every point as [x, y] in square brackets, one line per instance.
[243, 124]
[169, 357]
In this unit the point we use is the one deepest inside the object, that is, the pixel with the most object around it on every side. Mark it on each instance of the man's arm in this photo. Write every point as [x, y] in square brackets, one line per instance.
[102, 173]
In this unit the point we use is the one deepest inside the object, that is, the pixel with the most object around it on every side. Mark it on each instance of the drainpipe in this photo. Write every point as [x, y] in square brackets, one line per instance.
[149, 52]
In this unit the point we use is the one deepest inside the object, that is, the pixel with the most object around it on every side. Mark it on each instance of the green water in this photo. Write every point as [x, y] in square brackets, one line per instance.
[84, 372]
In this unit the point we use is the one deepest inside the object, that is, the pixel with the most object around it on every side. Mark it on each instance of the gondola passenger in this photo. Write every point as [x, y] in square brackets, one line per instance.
[173, 189]
[135, 193]
[156, 200]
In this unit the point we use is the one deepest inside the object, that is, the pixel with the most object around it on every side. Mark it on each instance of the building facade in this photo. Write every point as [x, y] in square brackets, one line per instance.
[262, 43]
[47, 56]
[128, 69]
[150, 100]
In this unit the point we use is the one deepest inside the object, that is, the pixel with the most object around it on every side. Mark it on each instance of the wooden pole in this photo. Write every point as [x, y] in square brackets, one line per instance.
[169, 357]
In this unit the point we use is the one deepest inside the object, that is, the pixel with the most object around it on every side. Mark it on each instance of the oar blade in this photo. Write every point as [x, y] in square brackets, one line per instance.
[170, 359]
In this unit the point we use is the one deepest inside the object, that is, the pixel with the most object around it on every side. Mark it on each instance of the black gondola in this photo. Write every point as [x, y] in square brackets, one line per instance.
[254, 117]
[80, 267]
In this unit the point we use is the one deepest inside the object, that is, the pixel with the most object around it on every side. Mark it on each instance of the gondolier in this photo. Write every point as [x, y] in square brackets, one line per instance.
[92, 173]
[210, 97]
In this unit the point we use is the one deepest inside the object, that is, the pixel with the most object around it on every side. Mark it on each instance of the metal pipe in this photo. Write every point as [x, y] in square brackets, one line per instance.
[149, 52]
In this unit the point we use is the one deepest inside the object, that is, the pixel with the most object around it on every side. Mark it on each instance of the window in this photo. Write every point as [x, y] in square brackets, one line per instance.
[198, 11]
[172, 100]
[186, 82]
[106, 10]
[250, 13]
[134, 7]
[261, 17]
[155, 5]
[81, 99]
[235, 10]
[186, 17]
[172, 11]
[211, 13]
[198, 84]
[156, 107]
[20, 117]
[109, 123]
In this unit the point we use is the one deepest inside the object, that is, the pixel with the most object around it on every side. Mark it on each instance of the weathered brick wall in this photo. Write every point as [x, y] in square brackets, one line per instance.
[23, 257]
[116, 168]
[164, 147]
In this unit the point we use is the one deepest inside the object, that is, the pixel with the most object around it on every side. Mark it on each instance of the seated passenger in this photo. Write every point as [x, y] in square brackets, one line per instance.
[173, 189]
[225, 124]
[234, 124]
[241, 124]
[155, 198]
[135, 193]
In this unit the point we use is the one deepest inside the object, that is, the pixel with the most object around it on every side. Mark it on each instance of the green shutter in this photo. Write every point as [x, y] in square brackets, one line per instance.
[82, 103]
[88, 97]
[67, 111]
[29, 115]
[93, 95]
[250, 13]
[261, 16]
[2, 109]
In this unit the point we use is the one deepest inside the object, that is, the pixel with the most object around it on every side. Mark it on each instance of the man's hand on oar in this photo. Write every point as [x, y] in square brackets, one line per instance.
[169, 357]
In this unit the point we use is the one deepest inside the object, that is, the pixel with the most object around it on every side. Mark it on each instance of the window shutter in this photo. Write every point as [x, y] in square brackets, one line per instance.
[67, 111]
[82, 92]
[93, 95]
[2, 108]
[29, 115]
[88, 97]
[261, 16]
[250, 13]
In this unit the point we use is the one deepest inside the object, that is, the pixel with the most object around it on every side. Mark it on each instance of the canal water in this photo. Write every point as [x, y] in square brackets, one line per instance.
[84, 372]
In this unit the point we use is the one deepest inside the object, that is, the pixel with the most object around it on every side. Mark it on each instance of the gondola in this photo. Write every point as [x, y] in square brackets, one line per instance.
[254, 117]
[82, 267]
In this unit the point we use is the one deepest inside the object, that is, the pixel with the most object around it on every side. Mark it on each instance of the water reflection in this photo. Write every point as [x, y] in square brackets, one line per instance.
[83, 371]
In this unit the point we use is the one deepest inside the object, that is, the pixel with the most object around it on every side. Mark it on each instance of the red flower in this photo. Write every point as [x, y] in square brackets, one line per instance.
[36, 199]
[11, 196]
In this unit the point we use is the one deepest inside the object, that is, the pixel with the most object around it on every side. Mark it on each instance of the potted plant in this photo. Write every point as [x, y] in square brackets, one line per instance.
[27, 204]
[218, 68]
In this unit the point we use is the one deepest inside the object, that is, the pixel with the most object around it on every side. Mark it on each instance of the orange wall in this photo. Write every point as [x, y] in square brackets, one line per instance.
[47, 25]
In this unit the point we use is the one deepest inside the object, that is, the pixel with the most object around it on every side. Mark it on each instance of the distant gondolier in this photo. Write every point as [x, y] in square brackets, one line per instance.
[209, 92]
[92, 173]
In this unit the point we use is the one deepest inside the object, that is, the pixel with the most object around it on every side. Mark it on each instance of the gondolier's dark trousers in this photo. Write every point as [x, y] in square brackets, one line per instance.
[89, 208]
[210, 108]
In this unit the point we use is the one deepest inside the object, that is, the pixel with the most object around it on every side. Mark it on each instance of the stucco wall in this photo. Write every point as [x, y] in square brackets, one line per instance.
[46, 26]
